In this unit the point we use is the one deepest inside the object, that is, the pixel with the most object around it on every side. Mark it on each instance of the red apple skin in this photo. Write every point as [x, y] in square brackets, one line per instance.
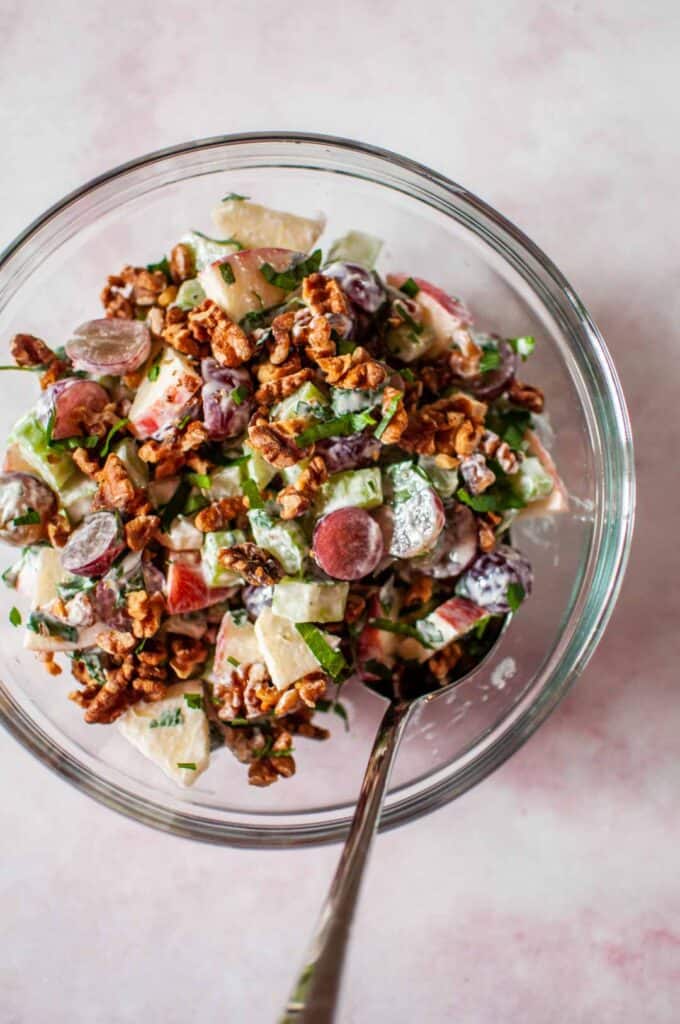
[461, 614]
[557, 501]
[187, 589]
[375, 644]
[445, 316]
[250, 291]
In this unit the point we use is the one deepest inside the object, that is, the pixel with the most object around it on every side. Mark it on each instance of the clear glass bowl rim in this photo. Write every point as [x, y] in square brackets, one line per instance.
[606, 576]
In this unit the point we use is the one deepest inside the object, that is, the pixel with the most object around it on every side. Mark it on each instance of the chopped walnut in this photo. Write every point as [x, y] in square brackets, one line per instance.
[508, 460]
[145, 285]
[219, 514]
[195, 434]
[145, 611]
[27, 350]
[255, 565]
[399, 421]
[118, 643]
[527, 396]
[476, 474]
[441, 663]
[419, 592]
[355, 370]
[59, 531]
[276, 441]
[313, 332]
[486, 536]
[275, 390]
[114, 300]
[49, 664]
[467, 438]
[324, 295]
[140, 531]
[262, 773]
[110, 700]
[280, 344]
[177, 334]
[182, 263]
[187, 655]
[230, 345]
[297, 498]
[269, 371]
[54, 372]
[116, 490]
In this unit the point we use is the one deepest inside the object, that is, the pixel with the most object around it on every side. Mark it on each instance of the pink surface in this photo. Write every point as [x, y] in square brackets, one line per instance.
[550, 892]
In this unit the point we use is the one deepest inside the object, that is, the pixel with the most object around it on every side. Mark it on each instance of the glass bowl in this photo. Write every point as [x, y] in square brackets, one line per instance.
[50, 278]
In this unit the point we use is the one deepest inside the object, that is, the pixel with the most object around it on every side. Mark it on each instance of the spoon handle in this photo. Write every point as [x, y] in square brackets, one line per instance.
[314, 996]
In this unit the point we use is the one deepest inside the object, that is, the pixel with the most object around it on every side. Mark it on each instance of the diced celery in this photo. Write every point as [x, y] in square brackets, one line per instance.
[55, 467]
[532, 482]
[257, 467]
[283, 539]
[215, 575]
[226, 482]
[137, 470]
[356, 247]
[408, 345]
[299, 402]
[404, 479]
[444, 481]
[190, 294]
[206, 249]
[76, 496]
[359, 487]
[310, 602]
[345, 400]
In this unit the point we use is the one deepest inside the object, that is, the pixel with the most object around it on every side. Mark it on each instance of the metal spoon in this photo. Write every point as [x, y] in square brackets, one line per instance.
[314, 996]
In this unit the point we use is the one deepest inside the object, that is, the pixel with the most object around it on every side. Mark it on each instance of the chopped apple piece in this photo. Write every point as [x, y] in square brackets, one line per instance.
[187, 588]
[164, 395]
[256, 226]
[448, 622]
[236, 282]
[284, 652]
[558, 500]
[446, 317]
[236, 644]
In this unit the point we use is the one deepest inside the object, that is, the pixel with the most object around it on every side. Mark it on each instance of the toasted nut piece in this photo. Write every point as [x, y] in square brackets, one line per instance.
[527, 396]
[145, 611]
[441, 663]
[324, 295]
[27, 350]
[230, 345]
[297, 498]
[140, 531]
[355, 370]
[254, 564]
[399, 421]
[219, 514]
[182, 264]
[275, 390]
[276, 441]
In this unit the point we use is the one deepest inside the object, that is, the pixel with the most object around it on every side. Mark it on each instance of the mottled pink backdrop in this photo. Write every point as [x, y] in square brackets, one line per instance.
[551, 892]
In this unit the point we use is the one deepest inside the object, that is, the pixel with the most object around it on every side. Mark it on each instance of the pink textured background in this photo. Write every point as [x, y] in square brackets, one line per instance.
[550, 892]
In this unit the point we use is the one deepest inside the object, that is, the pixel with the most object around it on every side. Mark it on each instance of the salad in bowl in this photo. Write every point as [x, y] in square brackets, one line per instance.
[266, 471]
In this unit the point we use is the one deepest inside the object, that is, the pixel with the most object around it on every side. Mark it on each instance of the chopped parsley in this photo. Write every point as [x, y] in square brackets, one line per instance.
[515, 595]
[336, 707]
[523, 346]
[15, 616]
[189, 765]
[68, 589]
[407, 318]
[239, 394]
[256, 318]
[118, 425]
[289, 279]
[233, 196]
[388, 415]
[47, 625]
[201, 480]
[510, 424]
[154, 371]
[407, 374]
[331, 661]
[339, 426]
[168, 718]
[498, 498]
[162, 265]
[227, 273]
[233, 661]
[250, 489]
[29, 517]
[194, 701]
[409, 287]
[490, 360]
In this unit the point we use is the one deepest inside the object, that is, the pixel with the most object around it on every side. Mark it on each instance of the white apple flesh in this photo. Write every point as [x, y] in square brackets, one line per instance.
[446, 317]
[249, 291]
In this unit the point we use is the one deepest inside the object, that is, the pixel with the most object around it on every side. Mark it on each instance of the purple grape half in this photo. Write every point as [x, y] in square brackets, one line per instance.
[363, 287]
[487, 581]
[94, 546]
[224, 416]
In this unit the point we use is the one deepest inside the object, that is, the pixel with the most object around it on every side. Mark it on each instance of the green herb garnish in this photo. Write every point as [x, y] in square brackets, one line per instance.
[250, 489]
[404, 629]
[201, 480]
[15, 616]
[523, 346]
[189, 765]
[163, 266]
[25, 369]
[515, 595]
[29, 517]
[92, 663]
[388, 415]
[233, 195]
[408, 319]
[47, 625]
[336, 707]
[154, 371]
[176, 505]
[227, 273]
[78, 585]
[289, 279]
[331, 661]
[256, 318]
[490, 360]
[233, 661]
[346, 346]
[498, 498]
[340, 426]
[408, 375]
[168, 718]
[219, 241]
[118, 425]
[239, 394]
[194, 700]
[409, 287]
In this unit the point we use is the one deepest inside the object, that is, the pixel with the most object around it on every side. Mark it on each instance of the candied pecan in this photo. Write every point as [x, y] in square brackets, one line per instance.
[461, 402]
[441, 663]
[230, 345]
[399, 418]
[255, 565]
[110, 700]
[166, 455]
[187, 654]
[354, 370]
[140, 531]
[116, 642]
[279, 346]
[27, 350]
[219, 514]
[476, 474]
[182, 263]
[146, 285]
[269, 371]
[116, 489]
[145, 611]
[297, 498]
[324, 295]
[355, 607]
[467, 438]
[419, 592]
[275, 390]
[276, 441]
[527, 396]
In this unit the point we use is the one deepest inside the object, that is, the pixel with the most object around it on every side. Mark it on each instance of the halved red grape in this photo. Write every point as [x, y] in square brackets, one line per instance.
[110, 605]
[363, 287]
[348, 544]
[487, 581]
[94, 546]
[417, 523]
[68, 400]
[456, 547]
[223, 416]
[493, 383]
[351, 452]
[26, 504]
[109, 346]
